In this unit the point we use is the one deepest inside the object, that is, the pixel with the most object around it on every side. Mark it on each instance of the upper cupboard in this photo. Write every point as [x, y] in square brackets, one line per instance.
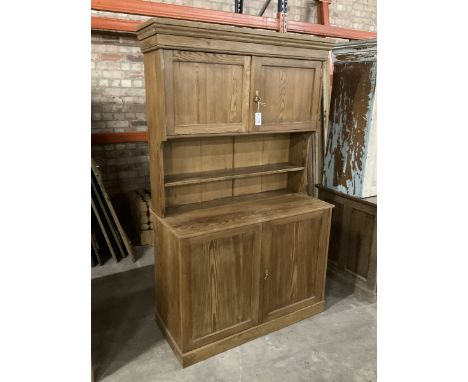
[217, 93]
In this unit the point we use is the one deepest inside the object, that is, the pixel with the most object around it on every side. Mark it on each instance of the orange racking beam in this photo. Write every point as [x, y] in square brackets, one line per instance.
[112, 24]
[107, 138]
[329, 31]
[148, 8]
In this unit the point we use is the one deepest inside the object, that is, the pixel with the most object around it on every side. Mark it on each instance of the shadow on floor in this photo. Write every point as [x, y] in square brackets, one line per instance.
[122, 305]
[336, 290]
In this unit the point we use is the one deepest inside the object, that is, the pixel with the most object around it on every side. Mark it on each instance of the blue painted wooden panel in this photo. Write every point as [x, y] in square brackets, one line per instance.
[351, 111]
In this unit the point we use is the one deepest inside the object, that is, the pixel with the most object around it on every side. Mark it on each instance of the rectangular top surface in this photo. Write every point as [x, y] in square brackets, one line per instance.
[160, 25]
[255, 209]
[371, 200]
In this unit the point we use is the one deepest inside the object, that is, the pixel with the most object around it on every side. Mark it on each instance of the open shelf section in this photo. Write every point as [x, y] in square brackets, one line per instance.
[232, 173]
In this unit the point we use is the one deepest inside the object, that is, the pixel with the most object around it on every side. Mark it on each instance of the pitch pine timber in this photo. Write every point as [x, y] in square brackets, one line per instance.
[241, 248]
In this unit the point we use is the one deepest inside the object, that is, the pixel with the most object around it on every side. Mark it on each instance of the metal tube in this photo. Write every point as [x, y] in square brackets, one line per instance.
[265, 6]
[238, 6]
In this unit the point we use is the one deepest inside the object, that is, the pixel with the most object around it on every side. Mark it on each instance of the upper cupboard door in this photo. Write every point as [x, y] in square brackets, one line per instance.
[289, 92]
[206, 93]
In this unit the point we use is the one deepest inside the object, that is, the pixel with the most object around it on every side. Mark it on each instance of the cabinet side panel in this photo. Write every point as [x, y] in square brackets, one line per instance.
[322, 254]
[167, 279]
[360, 242]
[156, 128]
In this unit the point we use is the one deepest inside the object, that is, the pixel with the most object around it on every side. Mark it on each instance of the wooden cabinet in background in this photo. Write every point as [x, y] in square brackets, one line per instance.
[353, 239]
[241, 249]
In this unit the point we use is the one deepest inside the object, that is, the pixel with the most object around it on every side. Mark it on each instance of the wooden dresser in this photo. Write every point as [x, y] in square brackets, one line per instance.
[235, 135]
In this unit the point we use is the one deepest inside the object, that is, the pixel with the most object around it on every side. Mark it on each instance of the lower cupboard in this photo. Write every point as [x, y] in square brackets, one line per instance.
[219, 289]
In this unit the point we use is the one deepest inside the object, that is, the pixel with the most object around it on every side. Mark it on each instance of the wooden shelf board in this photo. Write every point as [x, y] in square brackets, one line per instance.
[242, 133]
[232, 173]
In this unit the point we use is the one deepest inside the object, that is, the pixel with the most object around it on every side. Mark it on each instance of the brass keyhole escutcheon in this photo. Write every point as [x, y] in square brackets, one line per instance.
[267, 275]
[258, 100]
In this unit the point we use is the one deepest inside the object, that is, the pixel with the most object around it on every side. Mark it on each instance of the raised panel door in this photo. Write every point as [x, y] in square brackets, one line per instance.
[360, 243]
[221, 285]
[206, 93]
[293, 263]
[290, 92]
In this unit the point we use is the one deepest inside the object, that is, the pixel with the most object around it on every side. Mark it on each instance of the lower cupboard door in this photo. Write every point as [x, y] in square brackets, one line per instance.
[220, 297]
[293, 263]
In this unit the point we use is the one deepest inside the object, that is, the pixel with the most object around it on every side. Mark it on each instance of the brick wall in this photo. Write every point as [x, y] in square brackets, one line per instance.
[354, 14]
[118, 105]
[117, 81]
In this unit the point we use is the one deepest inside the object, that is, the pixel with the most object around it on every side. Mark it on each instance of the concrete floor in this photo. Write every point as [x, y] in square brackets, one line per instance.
[336, 345]
[144, 256]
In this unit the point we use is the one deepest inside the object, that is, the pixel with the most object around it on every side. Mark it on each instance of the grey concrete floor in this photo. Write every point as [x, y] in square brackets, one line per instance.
[144, 256]
[336, 345]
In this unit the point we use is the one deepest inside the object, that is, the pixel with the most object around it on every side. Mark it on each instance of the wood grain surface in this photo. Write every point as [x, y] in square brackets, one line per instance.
[224, 267]
[236, 214]
[241, 249]
[353, 249]
[210, 92]
[293, 250]
[288, 88]
[233, 173]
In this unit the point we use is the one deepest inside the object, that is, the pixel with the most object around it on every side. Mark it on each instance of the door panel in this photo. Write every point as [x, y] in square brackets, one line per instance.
[294, 254]
[222, 286]
[207, 93]
[360, 241]
[290, 90]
